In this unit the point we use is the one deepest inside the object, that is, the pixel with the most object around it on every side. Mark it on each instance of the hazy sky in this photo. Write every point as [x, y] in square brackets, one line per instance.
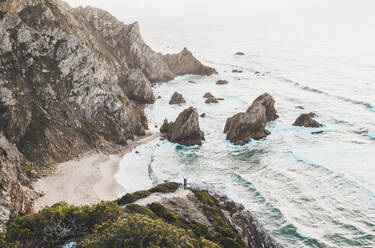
[222, 9]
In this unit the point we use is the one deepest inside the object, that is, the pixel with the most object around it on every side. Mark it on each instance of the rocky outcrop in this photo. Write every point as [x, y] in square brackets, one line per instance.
[243, 127]
[306, 120]
[72, 79]
[236, 71]
[185, 63]
[239, 53]
[211, 208]
[208, 95]
[137, 87]
[185, 130]
[211, 100]
[176, 98]
[16, 193]
[221, 82]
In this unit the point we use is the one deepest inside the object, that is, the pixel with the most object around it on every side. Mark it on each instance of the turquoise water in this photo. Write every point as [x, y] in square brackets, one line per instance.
[307, 190]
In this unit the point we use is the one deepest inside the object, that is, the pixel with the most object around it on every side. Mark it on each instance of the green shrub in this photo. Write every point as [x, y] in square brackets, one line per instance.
[168, 187]
[141, 231]
[59, 223]
[137, 209]
[227, 236]
[133, 197]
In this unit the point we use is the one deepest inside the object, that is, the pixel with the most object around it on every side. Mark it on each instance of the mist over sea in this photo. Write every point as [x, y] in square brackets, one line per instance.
[308, 190]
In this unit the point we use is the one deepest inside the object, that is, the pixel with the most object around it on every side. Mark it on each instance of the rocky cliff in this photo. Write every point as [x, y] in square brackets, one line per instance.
[70, 80]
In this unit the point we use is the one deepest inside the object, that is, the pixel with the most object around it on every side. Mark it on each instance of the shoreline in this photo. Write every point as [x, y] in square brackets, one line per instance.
[86, 180]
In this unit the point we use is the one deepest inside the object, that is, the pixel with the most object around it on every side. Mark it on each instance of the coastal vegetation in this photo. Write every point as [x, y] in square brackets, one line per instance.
[124, 224]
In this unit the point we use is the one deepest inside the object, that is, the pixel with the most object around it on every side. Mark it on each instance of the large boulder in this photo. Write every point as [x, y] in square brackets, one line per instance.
[177, 98]
[306, 120]
[243, 127]
[185, 130]
[185, 63]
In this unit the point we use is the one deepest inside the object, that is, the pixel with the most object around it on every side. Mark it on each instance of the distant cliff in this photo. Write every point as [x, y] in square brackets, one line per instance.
[70, 80]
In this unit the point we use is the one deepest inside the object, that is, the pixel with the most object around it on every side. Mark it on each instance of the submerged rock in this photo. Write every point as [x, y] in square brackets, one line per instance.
[184, 63]
[306, 120]
[243, 127]
[237, 71]
[185, 130]
[221, 82]
[203, 115]
[177, 98]
[239, 53]
[211, 100]
[208, 95]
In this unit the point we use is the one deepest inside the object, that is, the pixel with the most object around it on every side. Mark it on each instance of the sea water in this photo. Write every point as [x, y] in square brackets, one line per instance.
[308, 190]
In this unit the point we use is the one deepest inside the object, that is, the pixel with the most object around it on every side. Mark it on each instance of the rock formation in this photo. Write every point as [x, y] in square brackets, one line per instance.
[239, 53]
[71, 79]
[176, 98]
[185, 130]
[211, 100]
[185, 63]
[237, 71]
[243, 127]
[221, 82]
[306, 120]
[208, 95]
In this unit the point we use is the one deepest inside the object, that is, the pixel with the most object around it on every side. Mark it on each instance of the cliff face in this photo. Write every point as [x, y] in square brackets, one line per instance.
[70, 79]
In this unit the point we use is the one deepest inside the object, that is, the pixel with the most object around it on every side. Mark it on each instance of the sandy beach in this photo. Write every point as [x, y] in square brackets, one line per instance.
[85, 180]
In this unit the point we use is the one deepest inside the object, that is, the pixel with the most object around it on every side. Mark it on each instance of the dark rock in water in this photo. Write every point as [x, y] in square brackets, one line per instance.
[243, 127]
[192, 82]
[306, 120]
[211, 100]
[221, 82]
[239, 53]
[159, 97]
[165, 127]
[184, 63]
[185, 130]
[177, 98]
[318, 132]
[236, 71]
[300, 107]
[208, 95]
[203, 115]
[220, 99]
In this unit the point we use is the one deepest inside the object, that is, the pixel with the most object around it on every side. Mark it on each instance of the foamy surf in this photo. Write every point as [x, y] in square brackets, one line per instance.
[133, 172]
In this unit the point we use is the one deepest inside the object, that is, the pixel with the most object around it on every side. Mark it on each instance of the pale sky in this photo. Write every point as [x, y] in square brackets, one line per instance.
[221, 9]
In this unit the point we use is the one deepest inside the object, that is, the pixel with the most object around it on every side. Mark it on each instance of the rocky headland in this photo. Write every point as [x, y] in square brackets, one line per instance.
[71, 80]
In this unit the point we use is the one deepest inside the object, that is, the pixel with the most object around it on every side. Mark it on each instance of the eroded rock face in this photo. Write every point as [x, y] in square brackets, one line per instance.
[16, 193]
[185, 130]
[71, 79]
[138, 87]
[185, 63]
[306, 120]
[177, 98]
[243, 127]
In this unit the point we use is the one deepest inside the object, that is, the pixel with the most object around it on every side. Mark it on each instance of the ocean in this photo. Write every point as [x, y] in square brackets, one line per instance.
[308, 190]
